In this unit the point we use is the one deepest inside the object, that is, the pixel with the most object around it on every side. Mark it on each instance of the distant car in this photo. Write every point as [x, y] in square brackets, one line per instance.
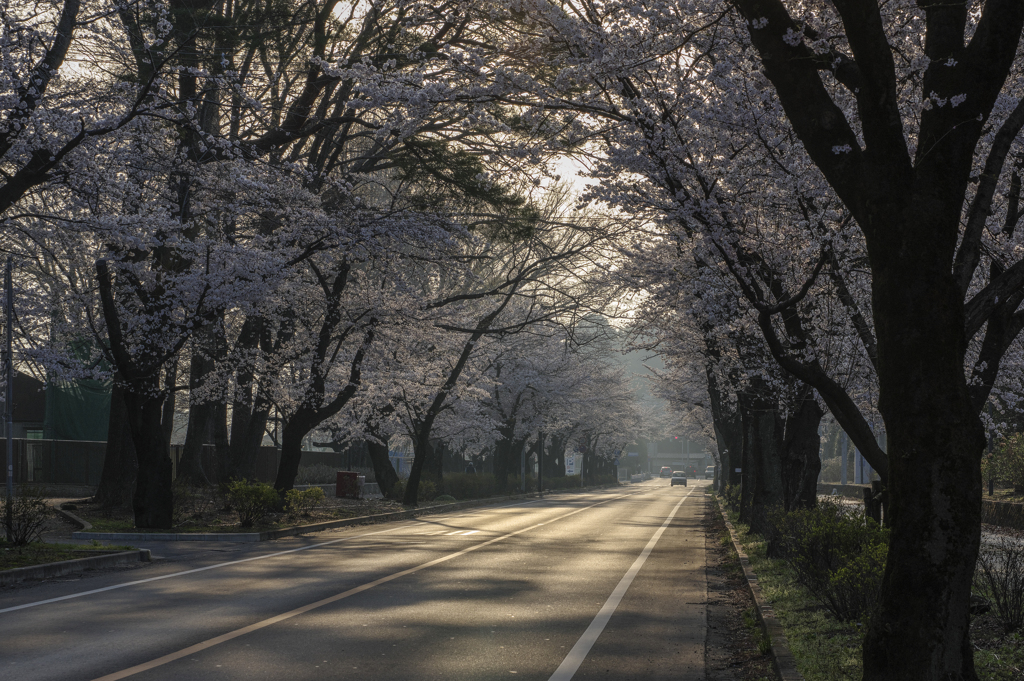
[709, 473]
[666, 472]
[678, 478]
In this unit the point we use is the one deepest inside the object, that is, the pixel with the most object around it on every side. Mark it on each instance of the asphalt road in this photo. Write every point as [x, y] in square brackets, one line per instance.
[606, 585]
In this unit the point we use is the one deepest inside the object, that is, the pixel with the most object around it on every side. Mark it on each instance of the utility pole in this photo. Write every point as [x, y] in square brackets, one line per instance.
[9, 395]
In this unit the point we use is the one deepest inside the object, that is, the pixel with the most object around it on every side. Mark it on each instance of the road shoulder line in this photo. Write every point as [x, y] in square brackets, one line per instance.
[572, 662]
[223, 638]
[782, 657]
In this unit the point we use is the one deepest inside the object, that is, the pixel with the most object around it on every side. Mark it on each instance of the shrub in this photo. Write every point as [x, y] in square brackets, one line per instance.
[303, 502]
[999, 577]
[470, 485]
[426, 491]
[316, 474]
[562, 482]
[251, 500]
[836, 553]
[1007, 462]
[191, 501]
[446, 498]
[24, 515]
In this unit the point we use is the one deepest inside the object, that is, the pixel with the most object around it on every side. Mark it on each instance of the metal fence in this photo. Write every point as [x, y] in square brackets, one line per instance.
[57, 462]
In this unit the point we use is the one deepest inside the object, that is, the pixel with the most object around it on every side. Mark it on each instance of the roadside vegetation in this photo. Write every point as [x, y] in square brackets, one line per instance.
[821, 570]
[247, 506]
[38, 553]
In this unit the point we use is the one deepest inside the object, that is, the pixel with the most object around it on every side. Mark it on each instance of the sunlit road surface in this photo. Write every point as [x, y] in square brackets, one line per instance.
[606, 585]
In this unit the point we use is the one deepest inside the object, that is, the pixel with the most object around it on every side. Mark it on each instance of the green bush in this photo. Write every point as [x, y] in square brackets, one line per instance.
[999, 577]
[303, 502]
[1006, 463]
[470, 485]
[251, 500]
[316, 474]
[731, 496]
[425, 492]
[191, 502]
[446, 498]
[24, 515]
[836, 553]
[562, 482]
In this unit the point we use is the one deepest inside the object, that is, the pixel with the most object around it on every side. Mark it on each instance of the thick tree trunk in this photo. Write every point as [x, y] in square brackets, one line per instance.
[382, 468]
[295, 429]
[153, 501]
[935, 443]
[221, 446]
[200, 418]
[167, 418]
[120, 466]
[190, 466]
[557, 453]
[247, 430]
[801, 460]
[433, 468]
[762, 487]
[503, 464]
[422, 451]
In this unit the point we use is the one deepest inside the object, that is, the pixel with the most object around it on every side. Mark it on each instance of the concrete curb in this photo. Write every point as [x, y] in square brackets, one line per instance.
[314, 527]
[782, 658]
[69, 567]
[82, 524]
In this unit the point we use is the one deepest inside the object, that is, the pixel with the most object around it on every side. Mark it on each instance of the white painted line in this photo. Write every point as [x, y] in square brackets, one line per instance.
[448, 534]
[189, 572]
[232, 562]
[191, 650]
[466, 534]
[571, 664]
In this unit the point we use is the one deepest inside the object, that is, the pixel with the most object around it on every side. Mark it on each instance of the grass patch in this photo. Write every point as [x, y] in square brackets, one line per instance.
[1003, 661]
[828, 650]
[38, 553]
[824, 649]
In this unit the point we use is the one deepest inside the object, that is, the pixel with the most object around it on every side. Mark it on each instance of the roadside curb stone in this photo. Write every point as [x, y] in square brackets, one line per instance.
[782, 657]
[305, 529]
[74, 566]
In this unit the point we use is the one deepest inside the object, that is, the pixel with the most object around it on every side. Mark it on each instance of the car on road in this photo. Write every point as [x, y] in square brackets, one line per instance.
[666, 472]
[678, 478]
[709, 473]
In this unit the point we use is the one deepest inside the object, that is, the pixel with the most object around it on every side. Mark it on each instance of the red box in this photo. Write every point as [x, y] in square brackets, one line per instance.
[348, 485]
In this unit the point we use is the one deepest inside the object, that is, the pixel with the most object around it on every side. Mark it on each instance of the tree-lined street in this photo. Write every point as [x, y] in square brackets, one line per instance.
[499, 591]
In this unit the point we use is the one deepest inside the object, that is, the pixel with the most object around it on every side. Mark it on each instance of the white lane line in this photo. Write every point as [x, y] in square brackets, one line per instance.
[193, 649]
[571, 664]
[466, 534]
[189, 572]
[227, 564]
[448, 534]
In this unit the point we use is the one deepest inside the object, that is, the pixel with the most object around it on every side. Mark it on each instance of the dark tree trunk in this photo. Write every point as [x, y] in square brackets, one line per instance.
[153, 501]
[167, 419]
[762, 487]
[935, 442]
[434, 465]
[190, 466]
[503, 464]
[557, 453]
[382, 468]
[295, 429]
[221, 446]
[120, 466]
[247, 430]
[422, 451]
[801, 461]
[729, 436]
